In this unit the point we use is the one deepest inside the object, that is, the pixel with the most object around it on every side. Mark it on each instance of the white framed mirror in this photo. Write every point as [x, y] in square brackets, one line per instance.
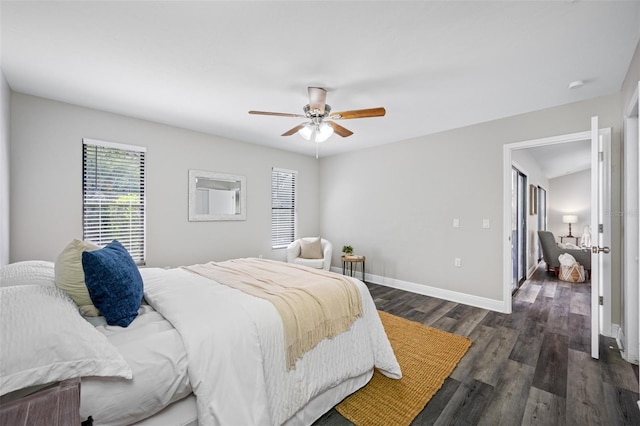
[216, 196]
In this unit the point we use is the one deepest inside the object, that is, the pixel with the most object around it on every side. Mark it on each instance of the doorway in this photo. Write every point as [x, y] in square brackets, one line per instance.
[508, 273]
[518, 229]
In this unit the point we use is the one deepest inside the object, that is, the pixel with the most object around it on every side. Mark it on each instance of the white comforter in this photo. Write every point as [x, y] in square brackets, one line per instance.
[234, 345]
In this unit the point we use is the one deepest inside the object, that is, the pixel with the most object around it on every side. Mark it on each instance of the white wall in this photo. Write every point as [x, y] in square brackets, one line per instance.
[46, 184]
[569, 194]
[395, 203]
[5, 126]
[523, 161]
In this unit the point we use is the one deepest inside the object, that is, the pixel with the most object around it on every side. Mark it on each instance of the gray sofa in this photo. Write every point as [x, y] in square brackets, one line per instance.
[551, 251]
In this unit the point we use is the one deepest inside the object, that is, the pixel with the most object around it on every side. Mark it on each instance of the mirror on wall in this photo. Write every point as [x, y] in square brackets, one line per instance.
[216, 196]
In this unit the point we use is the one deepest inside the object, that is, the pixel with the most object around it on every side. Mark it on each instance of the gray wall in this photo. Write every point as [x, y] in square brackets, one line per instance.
[46, 189]
[395, 203]
[569, 194]
[5, 121]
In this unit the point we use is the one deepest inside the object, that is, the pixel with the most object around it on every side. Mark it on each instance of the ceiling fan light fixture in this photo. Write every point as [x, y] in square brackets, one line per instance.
[324, 132]
[316, 132]
[316, 111]
[306, 131]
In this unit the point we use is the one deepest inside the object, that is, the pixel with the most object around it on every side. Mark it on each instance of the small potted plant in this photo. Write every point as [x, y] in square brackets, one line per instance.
[347, 250]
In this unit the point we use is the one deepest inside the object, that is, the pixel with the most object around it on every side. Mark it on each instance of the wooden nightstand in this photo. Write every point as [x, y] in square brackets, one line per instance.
[573, 236]
[55, 405]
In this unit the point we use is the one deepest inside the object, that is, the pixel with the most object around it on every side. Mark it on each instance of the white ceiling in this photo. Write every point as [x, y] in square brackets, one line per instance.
[202, 65]
[562, 159]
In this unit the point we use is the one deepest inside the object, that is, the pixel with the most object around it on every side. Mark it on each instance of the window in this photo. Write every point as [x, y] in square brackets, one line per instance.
[283, 207]
[113, 195]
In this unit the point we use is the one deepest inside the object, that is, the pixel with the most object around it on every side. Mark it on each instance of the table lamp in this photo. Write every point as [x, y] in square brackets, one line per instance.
[570, 218]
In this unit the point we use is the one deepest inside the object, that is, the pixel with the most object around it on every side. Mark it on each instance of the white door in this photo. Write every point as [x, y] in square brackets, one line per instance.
[600, 232]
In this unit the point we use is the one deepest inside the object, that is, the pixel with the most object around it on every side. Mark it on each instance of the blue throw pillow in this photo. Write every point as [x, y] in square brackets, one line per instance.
[114, 283]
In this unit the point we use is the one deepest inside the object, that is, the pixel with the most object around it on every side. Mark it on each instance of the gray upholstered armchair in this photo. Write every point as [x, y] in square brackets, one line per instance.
[551, 251]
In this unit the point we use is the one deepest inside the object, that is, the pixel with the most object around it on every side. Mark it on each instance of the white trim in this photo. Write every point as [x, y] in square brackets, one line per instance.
[630, 226]
[633, 102]
[507, 273]
[627, 352]
[618, 334]
[278, 169]
[425, 290]
[96, 142]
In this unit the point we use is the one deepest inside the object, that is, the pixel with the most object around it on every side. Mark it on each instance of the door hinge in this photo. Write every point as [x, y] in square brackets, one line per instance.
[601, 156]
[601, 300]
[600, 228]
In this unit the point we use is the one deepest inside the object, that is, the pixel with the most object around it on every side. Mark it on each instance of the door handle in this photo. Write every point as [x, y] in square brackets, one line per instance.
[596, 250]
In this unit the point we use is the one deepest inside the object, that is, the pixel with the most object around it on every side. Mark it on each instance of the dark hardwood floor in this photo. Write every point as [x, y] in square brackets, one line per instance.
[532, 367]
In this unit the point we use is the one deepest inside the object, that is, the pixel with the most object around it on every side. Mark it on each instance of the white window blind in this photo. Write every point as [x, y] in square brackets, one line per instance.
[113, 195]
[283, 207]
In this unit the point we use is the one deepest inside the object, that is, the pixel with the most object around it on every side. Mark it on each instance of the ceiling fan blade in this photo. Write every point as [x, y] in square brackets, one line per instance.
[294, 130]
[279, 114]
[358, 113]
[317, 99]
[342, 131]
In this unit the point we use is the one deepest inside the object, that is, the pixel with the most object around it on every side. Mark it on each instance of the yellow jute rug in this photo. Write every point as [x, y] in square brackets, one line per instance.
[426, 355]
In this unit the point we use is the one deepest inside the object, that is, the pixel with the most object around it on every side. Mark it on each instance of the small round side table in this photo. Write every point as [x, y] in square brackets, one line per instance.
[350, 260]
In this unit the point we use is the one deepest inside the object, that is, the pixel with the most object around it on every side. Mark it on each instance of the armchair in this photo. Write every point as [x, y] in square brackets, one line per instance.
[551, 251]
[294, 253]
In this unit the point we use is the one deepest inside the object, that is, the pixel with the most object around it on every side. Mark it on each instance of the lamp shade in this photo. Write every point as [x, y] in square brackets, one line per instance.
[569, 218]
[316, 132]
[306, 131]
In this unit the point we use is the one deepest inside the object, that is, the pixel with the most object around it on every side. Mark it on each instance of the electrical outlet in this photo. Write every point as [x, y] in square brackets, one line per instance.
[456, 223]
[457, 262]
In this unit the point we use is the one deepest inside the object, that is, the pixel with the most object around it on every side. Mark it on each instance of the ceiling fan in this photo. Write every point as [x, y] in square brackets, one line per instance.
[320, 127]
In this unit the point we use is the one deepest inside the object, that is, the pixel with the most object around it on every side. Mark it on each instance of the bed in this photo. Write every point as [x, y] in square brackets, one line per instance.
[197, 352]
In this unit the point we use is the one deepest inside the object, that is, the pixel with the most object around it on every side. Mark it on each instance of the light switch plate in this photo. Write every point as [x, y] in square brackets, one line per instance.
[456, 223]
[486, 223]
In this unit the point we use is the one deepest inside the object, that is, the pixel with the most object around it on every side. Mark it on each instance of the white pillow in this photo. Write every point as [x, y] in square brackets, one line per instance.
[45, 340]
[311, 249]
[28, 272]
[70, 275]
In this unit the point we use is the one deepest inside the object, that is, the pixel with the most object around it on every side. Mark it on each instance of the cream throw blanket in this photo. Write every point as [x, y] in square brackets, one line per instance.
[313, 303]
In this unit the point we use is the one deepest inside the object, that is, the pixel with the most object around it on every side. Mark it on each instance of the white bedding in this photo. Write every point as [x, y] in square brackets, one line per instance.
[234, 344]
[154, 351]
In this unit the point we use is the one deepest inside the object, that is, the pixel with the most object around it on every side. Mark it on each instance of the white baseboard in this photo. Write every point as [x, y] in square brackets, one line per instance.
[425, 290]
[628, 354]
[617, 333]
